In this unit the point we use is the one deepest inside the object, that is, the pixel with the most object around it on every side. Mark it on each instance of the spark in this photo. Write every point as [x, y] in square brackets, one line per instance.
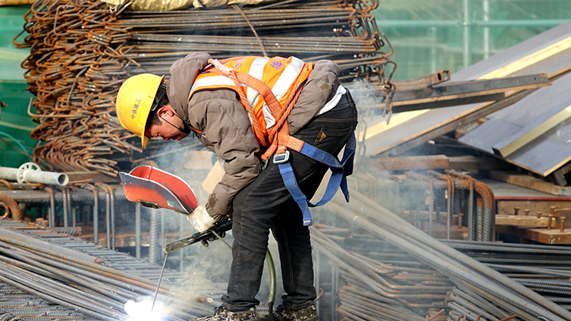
[140, 310]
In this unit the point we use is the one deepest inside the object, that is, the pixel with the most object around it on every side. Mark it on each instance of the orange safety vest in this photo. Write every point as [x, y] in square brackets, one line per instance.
[272, 86]
[268, 88]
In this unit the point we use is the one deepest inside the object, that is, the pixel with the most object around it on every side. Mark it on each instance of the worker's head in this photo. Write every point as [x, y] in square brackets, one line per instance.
[143, 109]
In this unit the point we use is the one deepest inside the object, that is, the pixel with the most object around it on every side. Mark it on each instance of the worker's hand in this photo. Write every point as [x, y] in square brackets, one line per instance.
[200, 219]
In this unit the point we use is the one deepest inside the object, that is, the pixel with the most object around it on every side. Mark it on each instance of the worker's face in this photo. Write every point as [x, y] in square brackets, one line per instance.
[169, 127]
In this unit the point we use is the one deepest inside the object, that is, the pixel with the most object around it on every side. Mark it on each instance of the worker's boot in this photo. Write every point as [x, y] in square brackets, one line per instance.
[286, 314]
[221, 314]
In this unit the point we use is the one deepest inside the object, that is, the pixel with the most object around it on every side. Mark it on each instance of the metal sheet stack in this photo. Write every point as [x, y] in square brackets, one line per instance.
[82, 51]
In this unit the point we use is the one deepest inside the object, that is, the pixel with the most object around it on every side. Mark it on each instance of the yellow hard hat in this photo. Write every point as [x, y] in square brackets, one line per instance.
[134, 102]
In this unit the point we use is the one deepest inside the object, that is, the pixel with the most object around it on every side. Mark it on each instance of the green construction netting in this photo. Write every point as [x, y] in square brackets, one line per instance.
[452, 34]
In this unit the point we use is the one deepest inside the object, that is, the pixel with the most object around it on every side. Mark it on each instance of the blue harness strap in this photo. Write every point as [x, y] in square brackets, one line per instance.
[339, 172]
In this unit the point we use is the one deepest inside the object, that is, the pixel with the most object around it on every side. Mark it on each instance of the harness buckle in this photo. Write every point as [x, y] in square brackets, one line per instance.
[265, 163]
[281, 158]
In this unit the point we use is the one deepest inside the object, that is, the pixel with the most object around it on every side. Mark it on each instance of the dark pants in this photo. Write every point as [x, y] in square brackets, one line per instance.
[266, 203]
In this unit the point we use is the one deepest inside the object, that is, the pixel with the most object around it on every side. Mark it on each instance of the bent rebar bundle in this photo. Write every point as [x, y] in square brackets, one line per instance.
[479, 291]
[82, 51]
[44, 274]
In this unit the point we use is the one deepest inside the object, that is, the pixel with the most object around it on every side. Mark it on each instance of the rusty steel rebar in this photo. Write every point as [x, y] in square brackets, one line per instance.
[467, 273]
[11, 206]
[379, 288]
[481, 225]
[363, 298]
[462, 194]
[82, 51]
[78, 284]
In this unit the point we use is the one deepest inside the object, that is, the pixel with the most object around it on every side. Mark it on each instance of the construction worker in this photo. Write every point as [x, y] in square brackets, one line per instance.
[233, 121]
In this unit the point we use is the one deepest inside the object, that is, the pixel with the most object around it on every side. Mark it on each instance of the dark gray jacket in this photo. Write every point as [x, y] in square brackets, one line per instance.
[224, 123]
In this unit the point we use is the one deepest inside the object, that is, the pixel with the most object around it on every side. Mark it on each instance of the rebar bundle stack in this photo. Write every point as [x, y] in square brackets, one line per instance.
[82, 51]
[490, 294]
[74, 72]
[442, 205]
[313, 30]
[46, 274]
[381, 283]
[543, 269]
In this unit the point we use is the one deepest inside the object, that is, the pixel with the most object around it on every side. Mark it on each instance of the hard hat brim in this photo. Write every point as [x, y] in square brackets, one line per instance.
[144, 141]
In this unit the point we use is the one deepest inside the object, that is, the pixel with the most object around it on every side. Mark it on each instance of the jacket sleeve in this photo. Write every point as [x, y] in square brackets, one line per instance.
[225, 126]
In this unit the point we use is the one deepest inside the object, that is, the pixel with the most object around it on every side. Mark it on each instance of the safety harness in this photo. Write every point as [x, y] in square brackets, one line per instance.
[276, 140]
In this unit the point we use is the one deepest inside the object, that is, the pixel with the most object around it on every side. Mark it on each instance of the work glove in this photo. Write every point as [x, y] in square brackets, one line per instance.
[200, 219]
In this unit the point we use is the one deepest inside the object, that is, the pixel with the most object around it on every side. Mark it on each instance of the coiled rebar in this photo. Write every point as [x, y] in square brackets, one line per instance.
[82, 51]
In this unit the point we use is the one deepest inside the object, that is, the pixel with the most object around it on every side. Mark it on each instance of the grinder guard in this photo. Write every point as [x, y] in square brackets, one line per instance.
[152, 187]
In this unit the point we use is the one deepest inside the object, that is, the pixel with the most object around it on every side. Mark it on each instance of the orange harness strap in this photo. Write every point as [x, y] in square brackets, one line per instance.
[277, 138]
[232, 74]
[282, 125]
[258, 85]
[290, 141]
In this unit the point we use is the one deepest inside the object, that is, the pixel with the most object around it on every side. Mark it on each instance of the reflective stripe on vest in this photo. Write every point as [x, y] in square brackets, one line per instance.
[278, 73]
